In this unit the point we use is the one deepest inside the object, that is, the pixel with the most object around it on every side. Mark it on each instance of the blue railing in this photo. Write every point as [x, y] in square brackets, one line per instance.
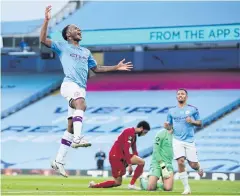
[219, 113]
[205, 122]
[38, 95]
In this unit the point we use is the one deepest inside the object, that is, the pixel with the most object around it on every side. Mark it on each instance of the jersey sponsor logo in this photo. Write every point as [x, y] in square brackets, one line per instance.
[179, 119]
[78, 57]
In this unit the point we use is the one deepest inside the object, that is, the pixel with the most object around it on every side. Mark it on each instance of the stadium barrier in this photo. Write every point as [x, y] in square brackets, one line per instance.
[220, 176]
[157, 60]
[220, 113]
[205, 122]
[184, 59]
[31, 99]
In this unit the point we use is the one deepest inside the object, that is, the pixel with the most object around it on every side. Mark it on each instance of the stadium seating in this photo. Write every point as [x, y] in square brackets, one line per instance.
[17, 87]
[134, 18]
[33, 26]
[67, 10]
[22, 27]
[107, 114]
[219, 146]
[161, 14]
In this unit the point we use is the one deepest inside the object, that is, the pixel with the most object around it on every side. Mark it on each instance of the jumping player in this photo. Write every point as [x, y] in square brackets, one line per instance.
[76, 61]
[124, 154]
[183, 119]
[161, 164]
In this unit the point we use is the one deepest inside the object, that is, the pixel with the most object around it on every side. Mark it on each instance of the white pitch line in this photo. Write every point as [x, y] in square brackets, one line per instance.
[87, 191]
[97, 191]
[39, 191]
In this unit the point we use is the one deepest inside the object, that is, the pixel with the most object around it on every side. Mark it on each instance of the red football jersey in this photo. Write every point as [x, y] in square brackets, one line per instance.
[125, 142]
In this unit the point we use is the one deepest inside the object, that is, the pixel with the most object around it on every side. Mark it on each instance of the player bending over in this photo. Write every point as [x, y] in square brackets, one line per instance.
[161, 164]
[76, 61]
[124, 154]
[182, 119]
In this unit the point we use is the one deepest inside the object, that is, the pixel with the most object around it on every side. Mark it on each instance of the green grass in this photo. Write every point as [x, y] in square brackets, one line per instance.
[56, 185]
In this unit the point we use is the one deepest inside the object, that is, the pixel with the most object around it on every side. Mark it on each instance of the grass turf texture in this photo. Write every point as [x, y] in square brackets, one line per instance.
[57, 185]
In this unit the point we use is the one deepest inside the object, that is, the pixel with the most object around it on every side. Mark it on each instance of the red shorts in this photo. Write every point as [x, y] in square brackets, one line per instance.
[118, 167]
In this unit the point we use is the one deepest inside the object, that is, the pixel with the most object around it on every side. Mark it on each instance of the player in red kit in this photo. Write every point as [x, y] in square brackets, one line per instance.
[124, 154]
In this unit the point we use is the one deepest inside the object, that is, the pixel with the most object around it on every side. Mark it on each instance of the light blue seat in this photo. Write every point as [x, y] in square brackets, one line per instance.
[39, 127]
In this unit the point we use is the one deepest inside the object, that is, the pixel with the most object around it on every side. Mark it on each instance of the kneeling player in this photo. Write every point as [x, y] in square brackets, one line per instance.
[161, 164]
[120, 157]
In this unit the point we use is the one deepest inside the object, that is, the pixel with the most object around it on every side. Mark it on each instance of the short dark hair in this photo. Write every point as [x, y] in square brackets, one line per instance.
[182, 89]
[144, 124]
[64, 32]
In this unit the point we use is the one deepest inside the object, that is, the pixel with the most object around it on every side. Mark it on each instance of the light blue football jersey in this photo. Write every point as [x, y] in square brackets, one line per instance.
[177, 118]
[76, 61]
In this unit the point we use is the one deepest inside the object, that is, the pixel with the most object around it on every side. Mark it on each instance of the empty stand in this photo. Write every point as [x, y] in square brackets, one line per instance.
[41, 125]
[17, 87]
[187, 13]
[22, 27]
[219, 146]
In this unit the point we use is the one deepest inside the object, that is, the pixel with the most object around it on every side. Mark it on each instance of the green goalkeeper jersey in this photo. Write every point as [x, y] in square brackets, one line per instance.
[162, 148]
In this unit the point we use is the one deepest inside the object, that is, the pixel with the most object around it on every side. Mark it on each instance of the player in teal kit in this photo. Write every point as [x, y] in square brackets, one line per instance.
[182, 119]
[76, 61]
[161, 163]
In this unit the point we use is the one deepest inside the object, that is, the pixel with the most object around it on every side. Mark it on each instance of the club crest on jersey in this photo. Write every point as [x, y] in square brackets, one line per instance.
[187, 112]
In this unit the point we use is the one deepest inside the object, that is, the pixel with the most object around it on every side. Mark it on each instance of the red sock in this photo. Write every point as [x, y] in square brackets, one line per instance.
[106, 184]
[138, 172]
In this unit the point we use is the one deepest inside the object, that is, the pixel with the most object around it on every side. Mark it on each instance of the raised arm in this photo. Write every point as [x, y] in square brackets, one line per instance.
[43, 36]
[121, 66]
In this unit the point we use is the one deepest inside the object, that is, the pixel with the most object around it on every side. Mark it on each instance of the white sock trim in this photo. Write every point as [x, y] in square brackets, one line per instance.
[77, 125]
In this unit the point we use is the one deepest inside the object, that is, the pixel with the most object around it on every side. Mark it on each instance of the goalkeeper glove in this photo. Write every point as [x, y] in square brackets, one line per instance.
[165, 172]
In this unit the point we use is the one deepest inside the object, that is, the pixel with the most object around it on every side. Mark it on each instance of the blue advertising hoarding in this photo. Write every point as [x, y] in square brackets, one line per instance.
[208, 33]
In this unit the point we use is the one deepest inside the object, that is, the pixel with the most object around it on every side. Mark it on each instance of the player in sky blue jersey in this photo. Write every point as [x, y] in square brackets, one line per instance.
[76, 61]
[183, 119]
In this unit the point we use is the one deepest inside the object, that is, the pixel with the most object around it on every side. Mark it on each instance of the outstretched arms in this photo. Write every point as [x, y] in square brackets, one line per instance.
[121, 66]
[43, 36]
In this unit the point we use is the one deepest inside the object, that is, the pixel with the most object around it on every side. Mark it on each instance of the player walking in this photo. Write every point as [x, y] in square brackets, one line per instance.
[183, 119]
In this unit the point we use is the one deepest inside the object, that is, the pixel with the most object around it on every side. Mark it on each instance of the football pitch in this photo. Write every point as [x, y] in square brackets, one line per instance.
[57, 185]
